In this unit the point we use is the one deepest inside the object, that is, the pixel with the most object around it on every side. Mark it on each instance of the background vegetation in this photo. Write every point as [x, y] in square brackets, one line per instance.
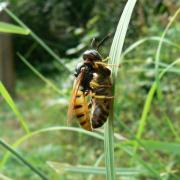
[67, 27]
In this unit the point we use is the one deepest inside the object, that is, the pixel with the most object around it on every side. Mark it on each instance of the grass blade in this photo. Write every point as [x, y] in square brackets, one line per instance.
[154, 145]
[11, 28]
[152, 38]
[172, 128]
[37, 39]
[169, 147]
[154, 87]
[115, 53]
[158, 52]
[47, 81]
[50, 129]
[21, 158]
[2, 177]
[12, 105]
[157, 57]
[137, 157]
[148, 101]
[98, 161]
[62, 168]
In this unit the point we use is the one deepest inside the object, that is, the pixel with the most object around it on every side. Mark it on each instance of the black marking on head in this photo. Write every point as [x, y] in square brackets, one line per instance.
[83, 123]
[77, 106]
[80, 115]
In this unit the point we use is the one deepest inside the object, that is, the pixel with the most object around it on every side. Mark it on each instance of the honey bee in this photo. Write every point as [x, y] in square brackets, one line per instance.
[93, 81]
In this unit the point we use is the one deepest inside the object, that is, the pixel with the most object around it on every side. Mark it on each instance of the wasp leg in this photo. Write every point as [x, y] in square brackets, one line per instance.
[86, 93]
[101, 96]
[90, 105]
[106, 59]
[96, 85]
[105, 64]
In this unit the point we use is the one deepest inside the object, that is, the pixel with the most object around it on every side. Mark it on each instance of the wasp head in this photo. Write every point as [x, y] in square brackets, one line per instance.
[92, 55]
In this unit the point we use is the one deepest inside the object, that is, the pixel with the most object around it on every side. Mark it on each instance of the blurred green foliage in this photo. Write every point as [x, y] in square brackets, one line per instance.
[68, 27]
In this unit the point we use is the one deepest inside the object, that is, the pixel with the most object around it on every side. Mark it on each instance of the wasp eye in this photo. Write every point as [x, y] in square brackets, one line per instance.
[86, 56]
[78, 69]
[91, 55]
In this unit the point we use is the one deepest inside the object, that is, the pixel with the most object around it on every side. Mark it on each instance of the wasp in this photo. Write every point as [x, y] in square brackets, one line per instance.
[92, 81]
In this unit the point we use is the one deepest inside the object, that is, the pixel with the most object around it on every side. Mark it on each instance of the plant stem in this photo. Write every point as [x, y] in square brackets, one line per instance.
[14, 152]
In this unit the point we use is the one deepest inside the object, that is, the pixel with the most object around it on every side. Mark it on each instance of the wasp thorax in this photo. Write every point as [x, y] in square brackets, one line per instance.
[91, 55]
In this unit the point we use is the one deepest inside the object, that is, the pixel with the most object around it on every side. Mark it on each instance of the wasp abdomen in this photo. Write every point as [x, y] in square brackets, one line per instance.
[82, 111]
[100, 115]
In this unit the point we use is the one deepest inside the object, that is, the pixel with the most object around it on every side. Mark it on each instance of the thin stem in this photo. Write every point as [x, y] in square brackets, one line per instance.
[15, 153]
[37, 39]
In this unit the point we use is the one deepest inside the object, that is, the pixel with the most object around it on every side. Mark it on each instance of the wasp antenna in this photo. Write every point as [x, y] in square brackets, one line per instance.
[103, 40]
[93, 43]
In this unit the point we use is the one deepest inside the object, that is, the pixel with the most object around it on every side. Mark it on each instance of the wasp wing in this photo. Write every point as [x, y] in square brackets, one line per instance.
[76, 86]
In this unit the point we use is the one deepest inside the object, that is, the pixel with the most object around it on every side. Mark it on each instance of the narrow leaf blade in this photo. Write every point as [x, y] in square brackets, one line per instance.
[11, 28]
[12, 105]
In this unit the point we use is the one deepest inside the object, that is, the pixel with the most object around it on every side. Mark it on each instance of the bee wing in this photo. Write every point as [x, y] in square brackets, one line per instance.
[76, 86]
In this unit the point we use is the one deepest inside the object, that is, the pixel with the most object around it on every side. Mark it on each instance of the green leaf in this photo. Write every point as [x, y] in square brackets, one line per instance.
[169, 147]
[154, 145]
[50, 129]
[62, 168]
[115, 54]
[149, 98]
[172, 128]
[37, 39]
[154, 87]
[146, 39]
[158, 52]
[2, 177]
[98, 161]
[36, 72]
[11, 28]
[12, 105]
[22, 159]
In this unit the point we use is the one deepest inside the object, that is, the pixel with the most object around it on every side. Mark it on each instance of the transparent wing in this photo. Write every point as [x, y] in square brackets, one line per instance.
[76, 86]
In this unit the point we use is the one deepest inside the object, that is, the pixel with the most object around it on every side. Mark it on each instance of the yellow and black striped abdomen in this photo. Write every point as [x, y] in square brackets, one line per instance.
[101, 112]
[82, 111]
